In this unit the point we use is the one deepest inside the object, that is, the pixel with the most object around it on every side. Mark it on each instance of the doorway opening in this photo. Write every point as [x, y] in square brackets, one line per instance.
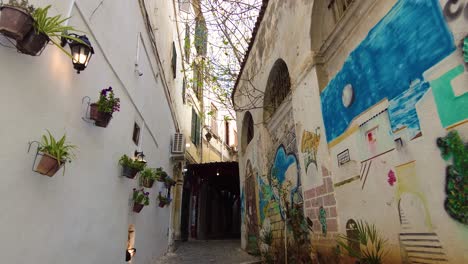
[211, 201]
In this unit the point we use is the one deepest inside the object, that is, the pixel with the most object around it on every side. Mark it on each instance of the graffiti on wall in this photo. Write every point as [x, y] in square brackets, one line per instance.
[455, 9]
[390, 65]
[309, 146]
[391, 178]
[323, 220]
[454, 149]
[451, 108]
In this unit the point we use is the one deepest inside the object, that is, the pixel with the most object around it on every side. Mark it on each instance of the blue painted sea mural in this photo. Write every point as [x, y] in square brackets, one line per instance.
[410, 39]
[402, 109]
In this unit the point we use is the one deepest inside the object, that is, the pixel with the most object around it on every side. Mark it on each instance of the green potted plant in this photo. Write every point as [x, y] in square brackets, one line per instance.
[140, 199]
[130, 167]
[160, 175]
[169, 182]
[163, 200]
[147, 177]
[45, 29]
[16, 19]
[101, 111]
[55, 153]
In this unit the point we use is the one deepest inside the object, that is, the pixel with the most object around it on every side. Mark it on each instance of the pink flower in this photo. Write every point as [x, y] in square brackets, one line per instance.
[391, 178]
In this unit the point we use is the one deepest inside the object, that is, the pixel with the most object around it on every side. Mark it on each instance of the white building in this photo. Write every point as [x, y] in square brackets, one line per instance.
[84, 216]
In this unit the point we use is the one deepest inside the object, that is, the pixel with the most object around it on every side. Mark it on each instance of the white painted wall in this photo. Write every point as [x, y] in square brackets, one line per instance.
[83, 217]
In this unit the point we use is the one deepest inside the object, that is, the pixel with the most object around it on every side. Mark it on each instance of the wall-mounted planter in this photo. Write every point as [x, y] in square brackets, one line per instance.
[129, 172]
[148, 183]
[15, 22]
[48, 165]
[54, 153]
[137, 207]
[100, 119]
[32, 44]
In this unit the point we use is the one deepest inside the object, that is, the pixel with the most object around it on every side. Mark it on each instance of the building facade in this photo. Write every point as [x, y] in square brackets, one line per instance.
[86, 215]
[360, 110]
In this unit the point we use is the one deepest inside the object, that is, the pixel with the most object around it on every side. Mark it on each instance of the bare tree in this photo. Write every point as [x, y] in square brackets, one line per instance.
[222, 31]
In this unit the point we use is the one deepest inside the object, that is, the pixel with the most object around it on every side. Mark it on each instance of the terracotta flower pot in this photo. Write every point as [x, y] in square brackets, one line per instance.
[137, 207]
[129, 172]
[32, 44]
[48, 165]
[162, 204]
[148, 183]
[15, 22]
[101, 119]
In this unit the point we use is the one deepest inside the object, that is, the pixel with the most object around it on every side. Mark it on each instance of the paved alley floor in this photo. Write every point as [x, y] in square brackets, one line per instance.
[212, 251]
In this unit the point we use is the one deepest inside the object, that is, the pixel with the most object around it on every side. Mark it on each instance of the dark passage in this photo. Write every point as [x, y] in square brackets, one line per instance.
[211, 201]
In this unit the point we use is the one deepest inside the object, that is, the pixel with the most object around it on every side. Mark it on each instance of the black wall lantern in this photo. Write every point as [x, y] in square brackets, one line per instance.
[139, 156]
[81, 52]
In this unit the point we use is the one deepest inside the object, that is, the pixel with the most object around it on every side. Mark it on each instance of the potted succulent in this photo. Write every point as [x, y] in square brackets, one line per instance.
[160, 175]
[163, 200]
[147, 177]
[101, 111]
[16, 19]
[45, 29]
[55, 153]
[169, 182]
[130, 167]
[140, 199]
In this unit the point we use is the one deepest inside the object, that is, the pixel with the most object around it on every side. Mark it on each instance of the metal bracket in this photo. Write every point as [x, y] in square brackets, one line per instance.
[86, 116]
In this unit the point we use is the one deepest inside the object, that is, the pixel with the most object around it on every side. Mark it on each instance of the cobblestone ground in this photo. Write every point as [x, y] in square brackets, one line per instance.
[213, 251]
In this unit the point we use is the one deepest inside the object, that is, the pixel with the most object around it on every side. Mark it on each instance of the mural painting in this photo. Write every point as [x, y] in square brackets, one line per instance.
[390, 65]
[309, 146]
[453, 149]
[451, 108]
[415, 220]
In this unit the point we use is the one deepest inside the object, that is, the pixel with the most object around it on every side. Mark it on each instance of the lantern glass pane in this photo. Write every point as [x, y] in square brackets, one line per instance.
[75, 50]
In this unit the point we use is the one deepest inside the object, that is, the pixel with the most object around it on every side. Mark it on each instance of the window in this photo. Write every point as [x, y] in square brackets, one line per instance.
[247, 130]
[278, 88]
[174, 60]
[214, 119]
[226, 125]
[339, 7]
[136, 134]
[352, 234]
[195, 128]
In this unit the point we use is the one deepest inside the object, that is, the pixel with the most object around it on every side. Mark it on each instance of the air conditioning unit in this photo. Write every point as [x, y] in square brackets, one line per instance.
[178, 144]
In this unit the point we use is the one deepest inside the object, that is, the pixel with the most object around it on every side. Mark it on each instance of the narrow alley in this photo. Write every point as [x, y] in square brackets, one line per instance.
[209, 252]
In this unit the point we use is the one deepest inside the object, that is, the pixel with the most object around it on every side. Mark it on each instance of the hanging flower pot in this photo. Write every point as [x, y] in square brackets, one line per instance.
[129, 172]
[55, 153]
[140, 199]
[48, 165]
[101, 111]
[163, 200]
[130, 167]
[169, 182]
[148, 183]
[33, 43]
[147, 177]
[15, 22]
[137, 207]
[101, 119]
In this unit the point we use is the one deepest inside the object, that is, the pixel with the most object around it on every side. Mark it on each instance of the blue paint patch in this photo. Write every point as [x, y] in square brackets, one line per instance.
[410, 39]
[282, 163]
[402, 109]
[262, 198]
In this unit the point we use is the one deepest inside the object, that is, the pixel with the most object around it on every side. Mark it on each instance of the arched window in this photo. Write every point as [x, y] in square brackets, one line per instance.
[247, 130]
[352, 234]
[278, 88]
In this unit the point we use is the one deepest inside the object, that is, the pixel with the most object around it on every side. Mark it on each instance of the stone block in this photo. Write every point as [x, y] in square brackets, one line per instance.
[321, 190]
[332, 225]
[329, 184]
[329, 200]
[310, 193]
[332, 211]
